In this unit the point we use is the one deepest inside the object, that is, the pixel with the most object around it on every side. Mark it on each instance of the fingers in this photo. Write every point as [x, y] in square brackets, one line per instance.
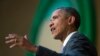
[10, 36]
[10, 41]
[11, 46]
[16, 40]
[6, 37]
[25, 36]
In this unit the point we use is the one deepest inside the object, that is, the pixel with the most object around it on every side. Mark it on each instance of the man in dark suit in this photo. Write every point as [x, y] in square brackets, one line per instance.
[64, 24]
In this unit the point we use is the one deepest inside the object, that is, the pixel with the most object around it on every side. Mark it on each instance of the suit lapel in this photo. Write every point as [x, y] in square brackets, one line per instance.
[67, 46]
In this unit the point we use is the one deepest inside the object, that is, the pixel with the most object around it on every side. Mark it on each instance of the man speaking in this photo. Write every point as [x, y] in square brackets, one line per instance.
[64, 25]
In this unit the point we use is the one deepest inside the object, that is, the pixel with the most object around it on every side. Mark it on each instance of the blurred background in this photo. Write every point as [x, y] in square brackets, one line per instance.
[32, 17]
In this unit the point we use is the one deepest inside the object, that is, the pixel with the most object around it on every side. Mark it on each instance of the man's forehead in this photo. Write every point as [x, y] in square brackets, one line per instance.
[57, 11]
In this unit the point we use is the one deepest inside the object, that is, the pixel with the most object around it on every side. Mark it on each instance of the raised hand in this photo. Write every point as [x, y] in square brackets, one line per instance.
[19, 41]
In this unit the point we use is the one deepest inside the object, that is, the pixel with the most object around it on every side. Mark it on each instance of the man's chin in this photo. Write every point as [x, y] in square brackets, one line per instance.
[56, 37]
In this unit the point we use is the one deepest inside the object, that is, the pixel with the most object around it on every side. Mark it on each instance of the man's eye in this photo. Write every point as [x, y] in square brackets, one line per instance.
[55, 17]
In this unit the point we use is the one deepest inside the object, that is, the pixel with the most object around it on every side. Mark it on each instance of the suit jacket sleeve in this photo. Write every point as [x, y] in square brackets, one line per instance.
[77, 46]
[42, 51]
[73, 51]
[79, 49]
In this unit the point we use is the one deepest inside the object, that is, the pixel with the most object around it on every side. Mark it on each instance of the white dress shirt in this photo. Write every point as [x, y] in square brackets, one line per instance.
[67, 38]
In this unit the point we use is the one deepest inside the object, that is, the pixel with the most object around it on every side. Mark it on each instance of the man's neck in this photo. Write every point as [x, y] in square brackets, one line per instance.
[66, 34]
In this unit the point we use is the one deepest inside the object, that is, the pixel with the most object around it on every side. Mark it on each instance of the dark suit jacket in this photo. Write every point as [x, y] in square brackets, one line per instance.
[78, 45]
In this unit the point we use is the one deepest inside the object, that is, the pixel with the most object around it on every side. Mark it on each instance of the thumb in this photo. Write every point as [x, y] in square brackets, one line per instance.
[25, 36]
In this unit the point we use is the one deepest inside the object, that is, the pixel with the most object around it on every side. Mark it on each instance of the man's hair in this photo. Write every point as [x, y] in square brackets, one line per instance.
[72, 12]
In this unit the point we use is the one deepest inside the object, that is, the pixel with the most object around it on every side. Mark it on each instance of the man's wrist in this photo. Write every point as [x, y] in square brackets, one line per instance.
[34, 48]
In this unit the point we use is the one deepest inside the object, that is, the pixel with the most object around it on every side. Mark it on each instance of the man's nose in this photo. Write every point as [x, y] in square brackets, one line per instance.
[51, 24]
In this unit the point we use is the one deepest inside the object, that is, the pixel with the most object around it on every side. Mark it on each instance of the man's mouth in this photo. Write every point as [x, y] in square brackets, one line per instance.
[52, 30]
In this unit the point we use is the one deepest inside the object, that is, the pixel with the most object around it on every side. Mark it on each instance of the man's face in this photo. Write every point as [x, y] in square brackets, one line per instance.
[58, 24]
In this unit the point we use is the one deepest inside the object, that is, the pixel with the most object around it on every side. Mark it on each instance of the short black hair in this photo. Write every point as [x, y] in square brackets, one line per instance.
[72, 12]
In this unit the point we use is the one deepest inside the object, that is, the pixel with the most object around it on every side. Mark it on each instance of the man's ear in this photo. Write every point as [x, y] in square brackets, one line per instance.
[71, 20]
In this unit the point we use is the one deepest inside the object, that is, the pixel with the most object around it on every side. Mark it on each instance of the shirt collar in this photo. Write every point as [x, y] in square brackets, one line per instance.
[67, 38]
